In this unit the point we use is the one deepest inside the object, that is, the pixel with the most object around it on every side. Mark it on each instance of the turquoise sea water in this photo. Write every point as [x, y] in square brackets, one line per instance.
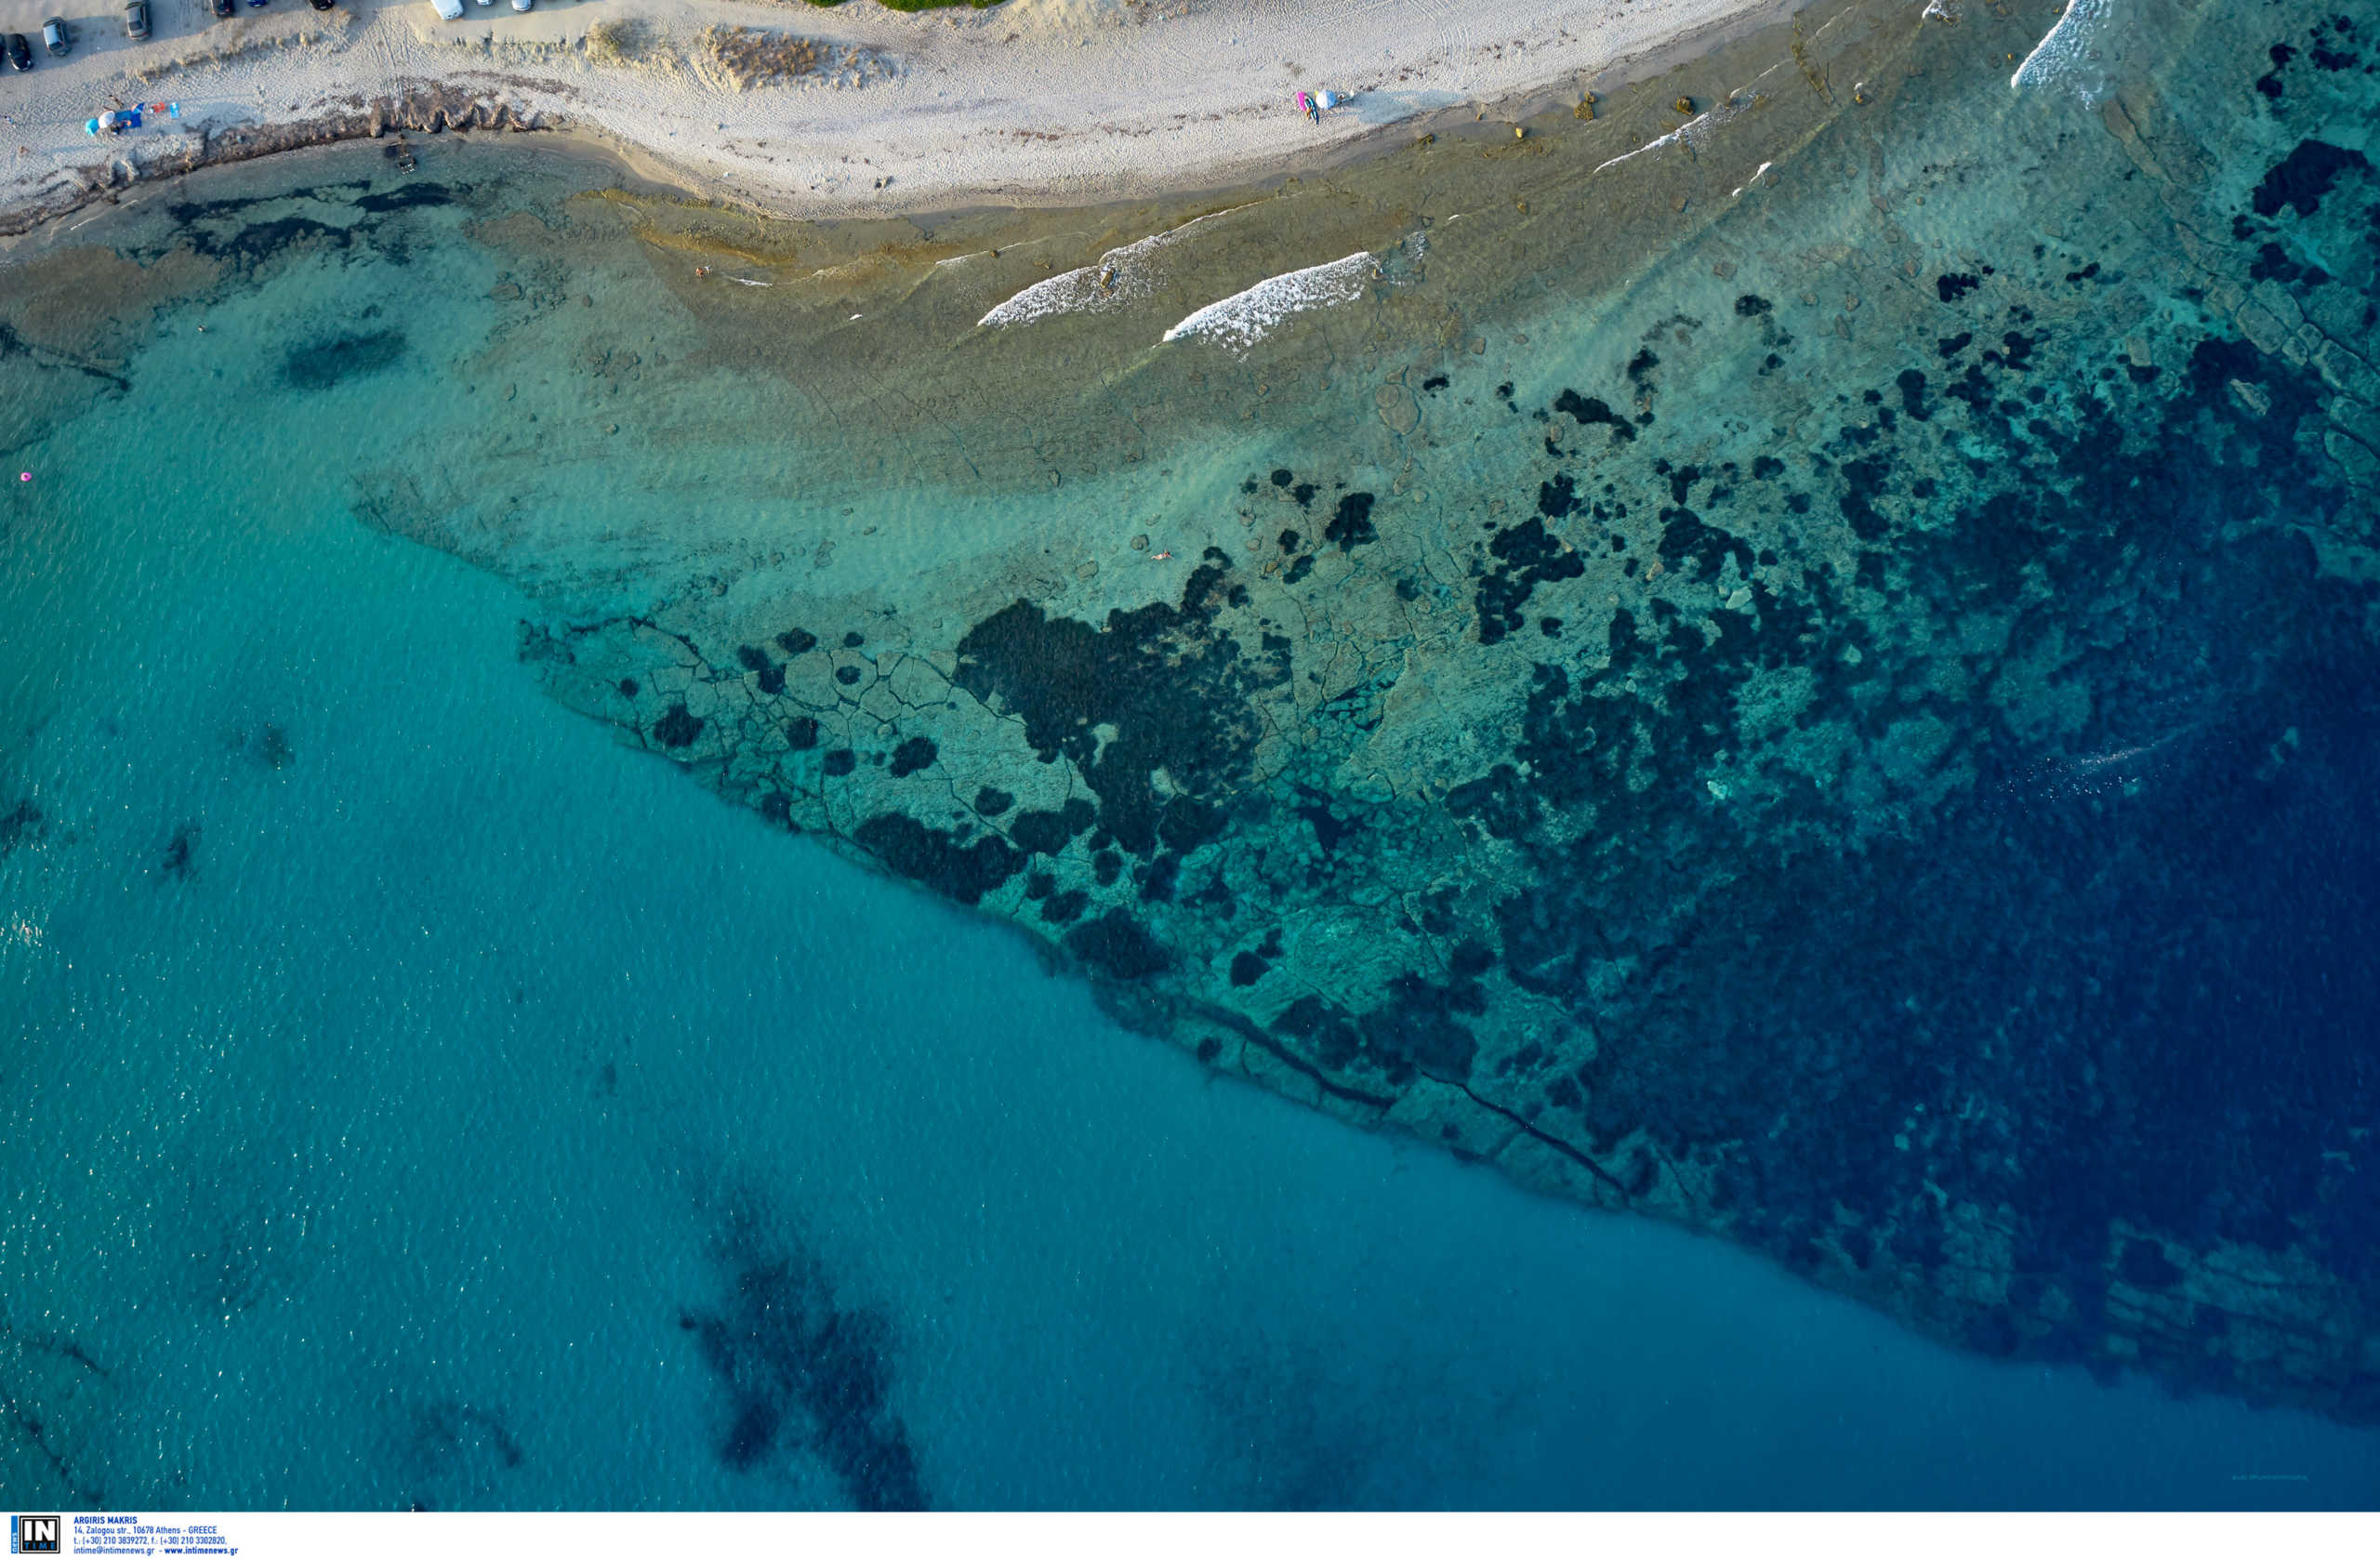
[419, 1097]
[373, 1157]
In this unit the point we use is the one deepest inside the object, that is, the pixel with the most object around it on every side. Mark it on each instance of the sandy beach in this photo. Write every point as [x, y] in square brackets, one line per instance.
[809, 110]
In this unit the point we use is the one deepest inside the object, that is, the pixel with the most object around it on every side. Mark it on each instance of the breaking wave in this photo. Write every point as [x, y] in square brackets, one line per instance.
[1115, 277]
[2063, 59]
[1246, 318]
[1691, 133]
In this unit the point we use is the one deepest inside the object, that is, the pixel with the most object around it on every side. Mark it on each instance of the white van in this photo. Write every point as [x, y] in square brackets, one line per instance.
[448, 9]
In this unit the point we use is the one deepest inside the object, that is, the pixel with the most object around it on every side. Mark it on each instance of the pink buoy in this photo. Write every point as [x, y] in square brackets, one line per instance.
[25, 476]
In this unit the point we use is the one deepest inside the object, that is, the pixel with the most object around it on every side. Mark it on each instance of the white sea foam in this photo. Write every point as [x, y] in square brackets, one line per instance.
[2064, 60]
[1757, 174]
[1113, 280]
[1691, 134]
[1246, 318]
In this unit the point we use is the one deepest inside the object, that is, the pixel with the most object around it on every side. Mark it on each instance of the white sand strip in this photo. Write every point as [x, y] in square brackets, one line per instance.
[1034, 101]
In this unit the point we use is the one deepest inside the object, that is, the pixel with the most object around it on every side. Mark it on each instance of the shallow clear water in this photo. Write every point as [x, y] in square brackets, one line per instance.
[419, 1097]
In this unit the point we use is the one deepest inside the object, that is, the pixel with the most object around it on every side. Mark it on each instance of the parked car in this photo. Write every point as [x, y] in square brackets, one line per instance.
[225, 7]
[257, 5]
[322, 5]
[136, 19]
[523, 5]
[57, 38]
[20, 53]
[448, 9]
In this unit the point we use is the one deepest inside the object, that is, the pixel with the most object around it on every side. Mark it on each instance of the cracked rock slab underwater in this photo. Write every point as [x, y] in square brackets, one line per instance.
[1804, 669]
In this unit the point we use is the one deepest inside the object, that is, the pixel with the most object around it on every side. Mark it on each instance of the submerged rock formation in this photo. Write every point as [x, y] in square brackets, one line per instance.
[1861, 744]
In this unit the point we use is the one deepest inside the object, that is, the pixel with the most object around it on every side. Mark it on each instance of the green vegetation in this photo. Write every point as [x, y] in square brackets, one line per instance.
[615, 43]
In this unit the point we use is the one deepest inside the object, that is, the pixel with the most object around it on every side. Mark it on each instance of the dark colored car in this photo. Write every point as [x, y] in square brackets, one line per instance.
[322, 5]
[258, 3]
[20, 53]
[225, 7]
[57, 37]
[136, 19]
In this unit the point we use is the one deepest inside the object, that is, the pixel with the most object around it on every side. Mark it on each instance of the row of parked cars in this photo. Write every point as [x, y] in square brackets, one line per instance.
[449, 10]
[58, 39]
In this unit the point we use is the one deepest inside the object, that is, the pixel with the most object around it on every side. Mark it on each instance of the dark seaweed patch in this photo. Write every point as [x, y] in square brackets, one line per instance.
[1046, 833]
[324, 363]
[918, 752]
[1588, 412]
[934, 857]
[1684, 536]
[1119, 945]
[22, 824]
[2272, 264]
[1529, 556]
[1498, 799]
[1351, 526]
[2302, 178]
[1417, 1030]
[677, 728]
[1178, 692]
[1066, 906]
[1911, 384]
[803, 1369]
[769, 675]
[2269, 84]
[180, 863]
[405, 197]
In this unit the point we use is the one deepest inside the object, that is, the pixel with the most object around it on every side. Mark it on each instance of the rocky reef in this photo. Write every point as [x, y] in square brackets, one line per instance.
[1874, 764]
[1802, 666]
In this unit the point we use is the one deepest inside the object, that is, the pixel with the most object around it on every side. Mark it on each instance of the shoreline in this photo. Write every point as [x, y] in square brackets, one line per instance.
[891, 145]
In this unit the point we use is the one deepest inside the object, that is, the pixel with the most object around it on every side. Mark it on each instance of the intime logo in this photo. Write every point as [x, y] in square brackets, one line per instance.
[33, 1534]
